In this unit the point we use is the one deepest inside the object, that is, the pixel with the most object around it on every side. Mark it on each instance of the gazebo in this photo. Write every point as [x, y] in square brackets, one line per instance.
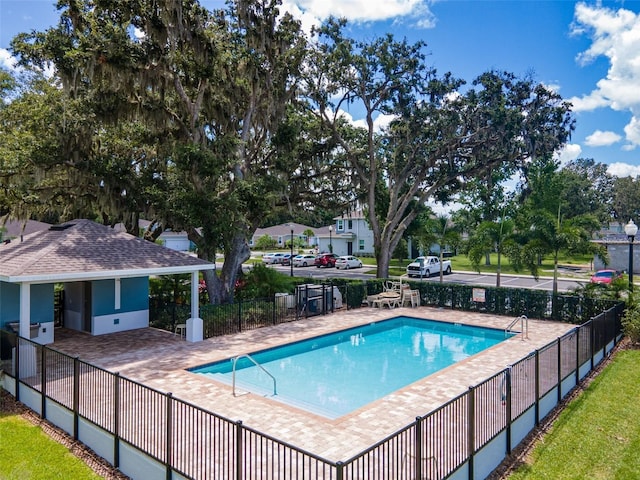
[104, 273]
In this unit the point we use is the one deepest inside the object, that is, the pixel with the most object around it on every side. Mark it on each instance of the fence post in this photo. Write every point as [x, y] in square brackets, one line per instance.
[273, 317]
[16, 365]
[508, 398]
[453, 297]
[169, 436]
[578, 354]
[306, 301]
[593, 342]
[76, 395]
[239, 450]
[537, 409]
[418, 443]
[559, 371]
[339, 470]
[116, 420]
[345, 300]
[471, 429]
[333, 303]
[43, 382]
[240, 316]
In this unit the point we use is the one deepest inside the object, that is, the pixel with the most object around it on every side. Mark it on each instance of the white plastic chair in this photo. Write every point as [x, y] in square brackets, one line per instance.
[180, 328]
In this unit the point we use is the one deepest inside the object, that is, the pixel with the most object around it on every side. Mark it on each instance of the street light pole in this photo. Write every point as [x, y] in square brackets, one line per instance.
[631, 229]
[291, 257]
[330, 242]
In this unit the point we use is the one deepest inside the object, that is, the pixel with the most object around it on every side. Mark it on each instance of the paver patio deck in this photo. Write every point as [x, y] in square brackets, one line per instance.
[159, 359]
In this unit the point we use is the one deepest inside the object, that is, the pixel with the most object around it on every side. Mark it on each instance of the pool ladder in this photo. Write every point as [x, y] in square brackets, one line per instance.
[524, 326]
[250, 358]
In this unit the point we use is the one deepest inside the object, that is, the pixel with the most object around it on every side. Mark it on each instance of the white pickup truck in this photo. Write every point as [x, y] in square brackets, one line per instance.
[426, 266]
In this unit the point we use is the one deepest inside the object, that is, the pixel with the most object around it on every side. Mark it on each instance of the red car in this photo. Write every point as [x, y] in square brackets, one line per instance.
[606, 276]
[325, 260]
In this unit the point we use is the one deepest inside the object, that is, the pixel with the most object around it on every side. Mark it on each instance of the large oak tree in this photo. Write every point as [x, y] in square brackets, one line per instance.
[201, 93]
[440, 137]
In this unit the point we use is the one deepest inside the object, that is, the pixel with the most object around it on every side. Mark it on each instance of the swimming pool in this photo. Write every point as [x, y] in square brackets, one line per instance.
[335, 374]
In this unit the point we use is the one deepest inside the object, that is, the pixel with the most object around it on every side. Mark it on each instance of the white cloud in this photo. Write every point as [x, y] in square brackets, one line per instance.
[570, 152]
[6, 60]
[632, 131]
[602, 139]
[379, 123]
[620, 169]
[359, 10]
[615, 35]
[589, 102]
[311, 13]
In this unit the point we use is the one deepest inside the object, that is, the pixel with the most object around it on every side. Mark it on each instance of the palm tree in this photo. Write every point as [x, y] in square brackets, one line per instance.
[441, 232]
[551, 234]
[309, 234]
[495, 237]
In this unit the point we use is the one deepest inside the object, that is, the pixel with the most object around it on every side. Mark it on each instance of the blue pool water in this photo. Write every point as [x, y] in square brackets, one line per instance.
[335, 374]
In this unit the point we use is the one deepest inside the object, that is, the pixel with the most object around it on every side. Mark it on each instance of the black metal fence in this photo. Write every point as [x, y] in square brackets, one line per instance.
[308, 300]
[465, 438]
[313, 299]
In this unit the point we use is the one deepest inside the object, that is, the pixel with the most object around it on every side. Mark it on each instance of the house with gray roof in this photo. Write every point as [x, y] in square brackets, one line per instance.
[104, 274]
[11, 229]
[348, 235]
[282, 233]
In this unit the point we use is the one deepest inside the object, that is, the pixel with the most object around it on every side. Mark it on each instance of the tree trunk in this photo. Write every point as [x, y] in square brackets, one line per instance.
[220, 288]
[383, 260]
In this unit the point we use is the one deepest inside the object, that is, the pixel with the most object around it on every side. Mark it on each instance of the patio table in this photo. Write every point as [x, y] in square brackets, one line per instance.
[390, 299]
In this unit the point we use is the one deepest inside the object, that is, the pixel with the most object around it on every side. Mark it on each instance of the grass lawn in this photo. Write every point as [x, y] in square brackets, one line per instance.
[597, 436]
[27, 452]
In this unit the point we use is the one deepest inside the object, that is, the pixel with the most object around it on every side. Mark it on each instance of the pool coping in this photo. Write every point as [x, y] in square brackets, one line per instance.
[223, 371]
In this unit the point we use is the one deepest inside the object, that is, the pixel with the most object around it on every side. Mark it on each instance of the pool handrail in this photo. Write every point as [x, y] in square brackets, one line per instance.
[524, 326]
[249, 357]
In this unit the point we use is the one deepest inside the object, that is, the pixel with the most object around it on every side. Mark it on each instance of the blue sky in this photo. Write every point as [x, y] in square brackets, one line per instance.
[587, 51]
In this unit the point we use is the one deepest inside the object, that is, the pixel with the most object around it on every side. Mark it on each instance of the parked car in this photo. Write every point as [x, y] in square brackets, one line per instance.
[286, 259]
[325, 260]
[348, 261]
[606, 276]
[303, 260]
[268, 258]
[426, 266]
[271, 258]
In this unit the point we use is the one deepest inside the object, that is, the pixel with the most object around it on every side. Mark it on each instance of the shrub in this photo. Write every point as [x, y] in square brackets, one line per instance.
[266, 242]
[263, 282]
[631, 322]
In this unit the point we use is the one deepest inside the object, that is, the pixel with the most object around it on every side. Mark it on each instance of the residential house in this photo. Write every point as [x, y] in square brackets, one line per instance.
[283, 233]
[17, 228]
[174, 240]
[617, 246]
[349, 235]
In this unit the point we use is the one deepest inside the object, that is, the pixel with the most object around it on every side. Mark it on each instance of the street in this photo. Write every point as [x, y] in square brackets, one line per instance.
[468, 278]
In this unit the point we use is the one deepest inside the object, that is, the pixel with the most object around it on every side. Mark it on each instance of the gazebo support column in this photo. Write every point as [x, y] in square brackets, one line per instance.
[27, 351]
[194, 324]
[25, 310]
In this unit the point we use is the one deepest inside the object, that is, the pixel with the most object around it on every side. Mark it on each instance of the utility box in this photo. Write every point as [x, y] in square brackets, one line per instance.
[314, 299]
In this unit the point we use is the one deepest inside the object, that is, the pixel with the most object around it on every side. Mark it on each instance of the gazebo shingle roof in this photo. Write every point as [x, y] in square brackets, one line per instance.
[85, 250]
